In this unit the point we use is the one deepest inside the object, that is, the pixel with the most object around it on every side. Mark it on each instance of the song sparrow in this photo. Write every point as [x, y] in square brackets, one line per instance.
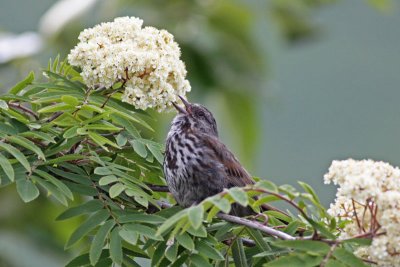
[197, 164]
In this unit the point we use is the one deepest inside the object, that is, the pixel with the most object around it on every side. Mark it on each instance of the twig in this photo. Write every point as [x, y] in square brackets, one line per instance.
[360, 227]
[290, 202]
[369, 261]
[108, 98]
[24, 109]
[328, 256]
[255, 225]
[158, 188]
[124, 81]
[54, 116]
[246, 242]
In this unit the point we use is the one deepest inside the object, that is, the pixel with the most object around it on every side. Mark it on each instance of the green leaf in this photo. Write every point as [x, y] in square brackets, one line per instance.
[171, 221]
[304, 245]
[181, 260]
[128, 235]
[103, 171]
[65, 80]
[87, 207]
[7, 167]
[14, 98]
[200, 232]
[348, 258]
[273, 252]
[143, 230]
[155, 150]
[140, 217]
[199, 261]
[60, 185]
[292, 227]
[65, 120]
[7, 129]
[98, 241]
[158, 254]
[239, 196]
[71, 132]
[208, 251]
[83, 260]
[22, 141]
[81, 189]
[17, 155]
[92, 108]
[239, 257]
[121, 140]
[278, 215]
[268, 185]
[51, 189]
[359, 241]
[221, 203]
[310, 190]
[100, 140]
[172, 252]
[139, 148]
[3, 104]
[104, 127]
[39, 135]
[17, 116]
[116, 190]
[70, 100]
[322, 229]
[295, 260]
[63, 144]
[335, 263]
[71, 175]
[79, 261]
[27, 190]
[64, 158]
[55, 108]
[22, 84]
[260, 242]
[127, 125]
[196, 215]
[105, 180]
[87, 226]
[116, 247]
[185, 241]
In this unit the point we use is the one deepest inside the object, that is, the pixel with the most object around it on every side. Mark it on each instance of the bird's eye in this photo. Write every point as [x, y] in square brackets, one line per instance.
[201, 114]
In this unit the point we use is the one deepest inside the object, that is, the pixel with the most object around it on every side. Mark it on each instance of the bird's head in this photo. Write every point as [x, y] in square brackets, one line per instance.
[196, 117]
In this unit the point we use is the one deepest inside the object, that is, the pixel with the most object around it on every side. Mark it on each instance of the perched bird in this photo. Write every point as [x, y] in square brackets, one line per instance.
[197, 164]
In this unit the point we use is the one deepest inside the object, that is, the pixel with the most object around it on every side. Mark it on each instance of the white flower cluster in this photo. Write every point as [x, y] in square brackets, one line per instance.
[369, 198]
[146, 60]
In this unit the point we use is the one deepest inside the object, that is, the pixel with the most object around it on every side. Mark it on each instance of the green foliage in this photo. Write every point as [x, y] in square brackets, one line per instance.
[63, 139]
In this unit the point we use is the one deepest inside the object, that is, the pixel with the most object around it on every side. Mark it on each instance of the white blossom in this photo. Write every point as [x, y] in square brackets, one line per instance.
[146, 60]
[363, 184]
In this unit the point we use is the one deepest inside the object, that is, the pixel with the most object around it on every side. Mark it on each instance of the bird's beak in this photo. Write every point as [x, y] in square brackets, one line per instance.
[179, 109]
[187, 109]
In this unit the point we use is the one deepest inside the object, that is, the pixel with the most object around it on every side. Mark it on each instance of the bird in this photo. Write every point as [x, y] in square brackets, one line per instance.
[197, 163]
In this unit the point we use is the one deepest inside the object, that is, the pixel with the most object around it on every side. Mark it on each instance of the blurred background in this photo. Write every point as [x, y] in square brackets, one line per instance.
[294, 84]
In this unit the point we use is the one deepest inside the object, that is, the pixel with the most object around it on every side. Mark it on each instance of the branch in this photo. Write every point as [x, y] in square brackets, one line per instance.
[255, 225]
[290, 202]
[242, 221]
[54, 116]
[24, 109]
[158, 188]
[328, 256]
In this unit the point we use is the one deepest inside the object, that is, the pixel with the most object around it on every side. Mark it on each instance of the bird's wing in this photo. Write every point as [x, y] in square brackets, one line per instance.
[236, 175]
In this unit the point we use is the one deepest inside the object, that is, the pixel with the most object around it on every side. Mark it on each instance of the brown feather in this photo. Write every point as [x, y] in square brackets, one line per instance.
[236, 175]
